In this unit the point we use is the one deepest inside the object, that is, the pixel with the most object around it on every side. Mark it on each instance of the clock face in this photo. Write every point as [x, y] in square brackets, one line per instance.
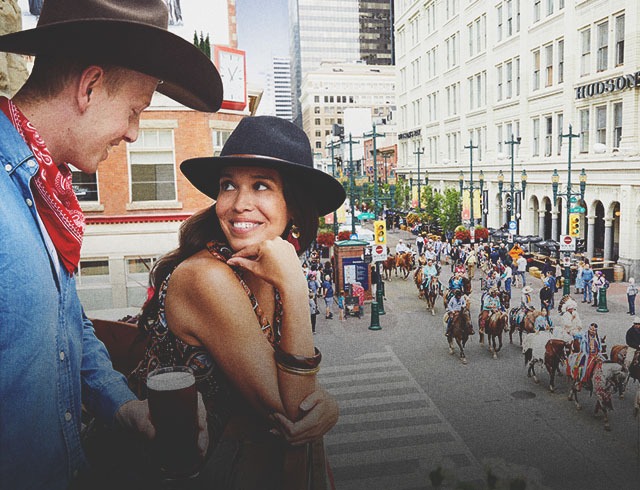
[231, 67]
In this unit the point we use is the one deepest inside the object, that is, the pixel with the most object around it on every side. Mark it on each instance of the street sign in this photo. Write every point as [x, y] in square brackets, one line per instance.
[379, 253]
[510, 238]
[366, 216]
[353, 236]
[573, 199]
[567, 243]
[513, 226]
[516, 252]
[577, 209]
[566, 261]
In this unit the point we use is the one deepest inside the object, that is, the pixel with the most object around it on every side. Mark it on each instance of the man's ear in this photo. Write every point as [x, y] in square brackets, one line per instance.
[90, 78]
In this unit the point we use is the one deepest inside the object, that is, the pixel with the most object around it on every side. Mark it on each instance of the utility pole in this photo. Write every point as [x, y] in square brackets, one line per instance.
[419, 151]
[471, 147]
[373, 135]
[333, 145]
[352, 185]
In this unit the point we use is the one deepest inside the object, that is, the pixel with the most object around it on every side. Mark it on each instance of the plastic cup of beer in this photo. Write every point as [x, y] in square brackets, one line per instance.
[173, 405]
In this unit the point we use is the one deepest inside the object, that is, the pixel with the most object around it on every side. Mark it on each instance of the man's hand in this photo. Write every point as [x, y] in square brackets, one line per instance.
[320, 411]
[134, 416]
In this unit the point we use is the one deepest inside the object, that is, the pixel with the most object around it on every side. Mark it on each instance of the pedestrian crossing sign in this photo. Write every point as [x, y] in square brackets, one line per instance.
[516, 252]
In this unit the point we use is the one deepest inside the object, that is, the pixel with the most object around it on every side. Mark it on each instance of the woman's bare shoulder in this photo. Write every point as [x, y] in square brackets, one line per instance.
[202, 272]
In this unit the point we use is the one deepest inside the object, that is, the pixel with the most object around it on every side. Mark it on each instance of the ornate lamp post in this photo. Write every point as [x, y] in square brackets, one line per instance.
[470, 187]
[419, 151]
[514, 188]
[333, 145]
[555, 180]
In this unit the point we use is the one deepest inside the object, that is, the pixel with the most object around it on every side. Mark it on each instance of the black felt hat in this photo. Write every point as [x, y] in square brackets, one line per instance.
[272, 142]
[128, 33]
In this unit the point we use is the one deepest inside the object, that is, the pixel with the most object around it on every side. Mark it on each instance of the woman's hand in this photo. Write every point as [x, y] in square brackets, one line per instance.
[320, 411]
[274, 261]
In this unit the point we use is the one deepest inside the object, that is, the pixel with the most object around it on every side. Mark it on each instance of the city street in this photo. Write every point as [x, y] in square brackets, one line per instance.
[407, 406]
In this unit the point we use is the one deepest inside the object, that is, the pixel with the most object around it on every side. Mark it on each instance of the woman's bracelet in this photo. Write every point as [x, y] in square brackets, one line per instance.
[297, 371]
[298, 362]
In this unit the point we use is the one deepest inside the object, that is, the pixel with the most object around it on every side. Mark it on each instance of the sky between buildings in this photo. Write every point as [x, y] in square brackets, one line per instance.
[263, 31]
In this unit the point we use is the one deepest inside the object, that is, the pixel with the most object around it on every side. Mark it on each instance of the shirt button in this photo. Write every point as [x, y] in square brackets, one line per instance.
[7, 167]
[29, 202]
[31, 164]
[62, 355]
[67, 416]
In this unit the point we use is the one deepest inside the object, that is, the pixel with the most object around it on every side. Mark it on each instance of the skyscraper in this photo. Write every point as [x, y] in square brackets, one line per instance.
[336, 30]
[281, 82]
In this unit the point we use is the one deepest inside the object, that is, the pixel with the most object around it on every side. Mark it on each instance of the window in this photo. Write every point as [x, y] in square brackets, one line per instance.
[559, 126]
[499, 23]
[470, 93]
[499, 94]
[561, 61]
[316, 110]
[548, 54]
[316, 121]
[585, 59]
[619, 40]
[479, 87]
[536, 10]
[584, 130]
[548, 135]
[517, 15]
[560, 4]
[536, 70]
[454, 49]
[617, 124]
[536, 137]
[601, 124]
[152, 166]
[85, 186]
[549, 7]
[509, 6]
[318, 145]
[517, 76]
[95, 272]
[455, 98]
[478, 36]
[316, 99]
[509, 69]
[499, 128]
[470, 27]
[603, 46]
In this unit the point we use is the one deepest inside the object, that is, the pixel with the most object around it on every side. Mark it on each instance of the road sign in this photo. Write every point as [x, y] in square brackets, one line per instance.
[567, 243]
[577, 209]
[510, 238]
[573, 199]
[513, 225]
[353, 236]
[516, 252]
[366, 216]
[566, 261]
[379, 253]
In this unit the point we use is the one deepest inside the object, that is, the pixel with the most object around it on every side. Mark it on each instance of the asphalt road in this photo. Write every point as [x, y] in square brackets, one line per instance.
[408, 407]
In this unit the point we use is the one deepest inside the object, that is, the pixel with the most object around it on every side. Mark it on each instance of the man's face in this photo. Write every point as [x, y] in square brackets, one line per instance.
[109, 119]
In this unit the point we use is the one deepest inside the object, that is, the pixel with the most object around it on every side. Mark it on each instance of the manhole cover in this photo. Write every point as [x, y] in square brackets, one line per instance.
[523, 395]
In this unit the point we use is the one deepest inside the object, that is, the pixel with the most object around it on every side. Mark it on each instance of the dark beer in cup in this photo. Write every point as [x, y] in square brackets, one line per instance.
[173, 405]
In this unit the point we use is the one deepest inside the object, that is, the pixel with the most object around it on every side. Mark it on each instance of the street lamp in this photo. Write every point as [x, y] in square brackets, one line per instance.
[332, 146]
[419, 151]
[470, 187]
[513, 188]
[555, 180]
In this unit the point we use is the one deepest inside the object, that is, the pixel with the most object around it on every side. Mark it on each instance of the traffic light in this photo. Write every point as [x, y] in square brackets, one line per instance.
[380, 232]
[574, 224]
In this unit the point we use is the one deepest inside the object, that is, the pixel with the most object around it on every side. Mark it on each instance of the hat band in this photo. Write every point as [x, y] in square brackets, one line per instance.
[243, 155]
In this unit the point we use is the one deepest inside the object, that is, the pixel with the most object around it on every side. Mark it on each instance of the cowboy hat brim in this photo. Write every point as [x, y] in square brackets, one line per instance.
[327, 193]
[188, 76]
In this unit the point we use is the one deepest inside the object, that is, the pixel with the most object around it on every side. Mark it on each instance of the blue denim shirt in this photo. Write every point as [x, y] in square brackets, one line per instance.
[50, 359]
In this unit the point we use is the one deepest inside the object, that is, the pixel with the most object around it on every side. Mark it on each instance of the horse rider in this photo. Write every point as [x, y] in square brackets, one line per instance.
[580, 365]
[526, 304]
[455, 282]
[472, 263]
[490, 305]
[570, 323]
[429, 253]
[456, 304]
[459, 269]
[633, 341]
[429, 271]
[543, 322]
[401, 247]
[490, 282]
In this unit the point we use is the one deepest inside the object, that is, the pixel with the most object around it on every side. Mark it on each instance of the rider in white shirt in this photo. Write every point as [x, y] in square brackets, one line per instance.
[401, 247]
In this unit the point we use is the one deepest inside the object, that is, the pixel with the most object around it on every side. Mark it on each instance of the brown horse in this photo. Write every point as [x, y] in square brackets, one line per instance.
[431, 294]
[505, 299]
[555, 354]
[526, 325]
[619, 355]
[604, 378]
[418, 278]
[389, 266]
[404, 262]
[460, 330]
[494, 326]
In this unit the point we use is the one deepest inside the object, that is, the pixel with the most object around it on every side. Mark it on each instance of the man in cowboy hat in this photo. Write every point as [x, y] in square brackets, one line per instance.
[633, 341]
[97, 65]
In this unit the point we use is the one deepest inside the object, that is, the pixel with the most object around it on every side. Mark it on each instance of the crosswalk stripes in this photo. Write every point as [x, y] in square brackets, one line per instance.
[390, 434]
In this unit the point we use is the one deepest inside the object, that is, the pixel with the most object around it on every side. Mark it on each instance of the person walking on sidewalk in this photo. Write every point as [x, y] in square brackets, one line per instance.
[632, 291]
[587, 281]
[522, 269]
[327, 290]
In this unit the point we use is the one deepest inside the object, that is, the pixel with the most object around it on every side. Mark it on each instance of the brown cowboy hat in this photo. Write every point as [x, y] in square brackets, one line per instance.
[128, 33]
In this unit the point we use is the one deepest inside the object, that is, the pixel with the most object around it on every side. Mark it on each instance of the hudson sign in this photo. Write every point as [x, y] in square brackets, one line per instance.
[607, 86]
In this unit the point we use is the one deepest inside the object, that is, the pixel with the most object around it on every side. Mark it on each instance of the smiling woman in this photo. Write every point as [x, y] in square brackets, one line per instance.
[231, 302]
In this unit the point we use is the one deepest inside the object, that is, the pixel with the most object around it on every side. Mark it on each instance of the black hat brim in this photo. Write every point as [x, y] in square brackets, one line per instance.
[325, 191]
[188, 75]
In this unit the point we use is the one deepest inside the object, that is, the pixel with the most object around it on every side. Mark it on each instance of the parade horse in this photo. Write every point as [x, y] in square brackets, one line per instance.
[389, 266]
[494, 325]
[418, 279]
[619, 354]
[404, 261]
[525, 325]
[555, 353]
[431, 294]
[460, 330]
[505, 299]
[604, 378]
[466, 290]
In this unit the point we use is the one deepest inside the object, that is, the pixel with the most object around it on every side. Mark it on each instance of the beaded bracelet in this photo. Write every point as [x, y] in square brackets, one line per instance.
[298, 362]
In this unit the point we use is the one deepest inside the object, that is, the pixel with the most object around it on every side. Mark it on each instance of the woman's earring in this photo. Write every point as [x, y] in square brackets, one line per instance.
[292, 238]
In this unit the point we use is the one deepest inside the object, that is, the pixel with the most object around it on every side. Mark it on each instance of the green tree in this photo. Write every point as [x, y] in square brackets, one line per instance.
[196, 43]
[431, 203]
[450, 210]
[207, 46]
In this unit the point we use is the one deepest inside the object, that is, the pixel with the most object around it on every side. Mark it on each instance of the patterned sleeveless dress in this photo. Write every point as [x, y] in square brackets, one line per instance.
[164, 349]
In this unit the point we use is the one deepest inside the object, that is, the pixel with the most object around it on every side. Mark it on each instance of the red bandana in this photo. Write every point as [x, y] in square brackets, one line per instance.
[56, 202]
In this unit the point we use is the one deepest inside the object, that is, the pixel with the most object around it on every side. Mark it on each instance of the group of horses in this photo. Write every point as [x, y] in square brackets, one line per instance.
[403, 262]
[607, 377]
